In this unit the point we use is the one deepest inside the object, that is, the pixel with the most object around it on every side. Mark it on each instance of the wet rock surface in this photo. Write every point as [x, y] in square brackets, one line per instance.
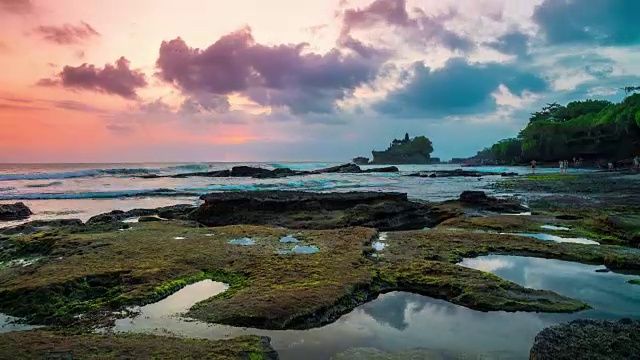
[459, 173]
[589, 340]
[262, 173]
[51, 345]
[17, 211]
[40, 225]
[308, 210]
[173, 212]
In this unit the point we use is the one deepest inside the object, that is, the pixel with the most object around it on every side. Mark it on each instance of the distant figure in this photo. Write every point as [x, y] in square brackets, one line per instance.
[636, 163]
[566, 166]
[575, 161]
[561, 165]
[610, 165]
[533, 166]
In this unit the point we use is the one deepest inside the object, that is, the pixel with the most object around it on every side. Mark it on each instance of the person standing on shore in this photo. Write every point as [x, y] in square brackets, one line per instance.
[610, 165]
[533, 166]
[636, 163]
[566, 166]
[560, 165]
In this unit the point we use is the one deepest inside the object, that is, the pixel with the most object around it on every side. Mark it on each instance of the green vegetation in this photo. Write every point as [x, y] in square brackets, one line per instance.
[634, 281]
[52, 345]
[417, 150]
[591, 129]
[95, 273]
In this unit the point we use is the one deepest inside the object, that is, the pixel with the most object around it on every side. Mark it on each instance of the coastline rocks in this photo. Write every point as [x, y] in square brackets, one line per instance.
[588, 339]
[626, 226]
[39, 225]
[173, 212]
[360, 160]
[17, 211]
[459, 173]
[308, 210]
[480, 200]
[261, 173]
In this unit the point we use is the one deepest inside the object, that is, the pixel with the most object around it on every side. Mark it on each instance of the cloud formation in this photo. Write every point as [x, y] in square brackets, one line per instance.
[67, 34]
[599, 22]
[420, 28]
[511, 43]
[118, 79]
[458, 88]
[280, 75]
[16, 6]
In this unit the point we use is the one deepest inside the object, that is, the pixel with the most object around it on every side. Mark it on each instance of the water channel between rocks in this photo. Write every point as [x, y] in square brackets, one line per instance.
[399, 321]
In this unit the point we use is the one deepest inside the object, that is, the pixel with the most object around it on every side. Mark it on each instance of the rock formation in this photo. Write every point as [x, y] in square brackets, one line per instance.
[588, 340]
[406, 151]
[17, 211]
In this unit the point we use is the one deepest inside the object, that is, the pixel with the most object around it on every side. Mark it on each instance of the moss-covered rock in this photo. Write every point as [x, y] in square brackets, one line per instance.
[588, 340]
[95, 273]
[51, 345]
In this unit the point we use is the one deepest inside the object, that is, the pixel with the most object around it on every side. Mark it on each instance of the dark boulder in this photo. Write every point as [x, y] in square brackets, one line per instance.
[248, 171]
[40, 225]
[17, 211]
[360, 160]
[112, 216]
[177, 212]
[478, 200]
[308, 210]
[344, 168]
[588, 340]
[387, 169]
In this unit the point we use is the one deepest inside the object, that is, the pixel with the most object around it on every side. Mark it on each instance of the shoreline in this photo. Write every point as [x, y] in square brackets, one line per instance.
[459, 229]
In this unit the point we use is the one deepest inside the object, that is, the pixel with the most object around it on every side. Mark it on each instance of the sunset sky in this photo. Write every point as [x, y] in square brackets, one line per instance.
[256, 80]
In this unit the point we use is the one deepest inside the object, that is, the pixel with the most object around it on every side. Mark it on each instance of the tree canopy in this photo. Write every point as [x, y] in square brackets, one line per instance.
[589, 127]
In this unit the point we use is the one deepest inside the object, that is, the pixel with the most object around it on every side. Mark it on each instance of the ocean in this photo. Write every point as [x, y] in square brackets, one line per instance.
[84, 190]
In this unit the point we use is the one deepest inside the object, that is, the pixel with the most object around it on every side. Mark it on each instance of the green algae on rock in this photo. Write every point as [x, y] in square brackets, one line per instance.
[94, 273]
[52, 345]
[588, 340]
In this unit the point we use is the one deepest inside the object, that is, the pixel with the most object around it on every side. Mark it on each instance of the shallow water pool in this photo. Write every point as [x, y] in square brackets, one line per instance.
[609, 293]
[554, 238]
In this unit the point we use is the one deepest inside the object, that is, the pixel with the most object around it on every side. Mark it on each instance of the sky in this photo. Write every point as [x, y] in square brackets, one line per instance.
[288, 80]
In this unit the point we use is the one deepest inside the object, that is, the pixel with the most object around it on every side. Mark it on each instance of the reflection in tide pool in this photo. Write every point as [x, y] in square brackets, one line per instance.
[7, 324]
[393, 322]
[608, 293]
[398, 321]
[299, 249]
[176, 303]
[242, 241]
[548, 237]
[553, 227]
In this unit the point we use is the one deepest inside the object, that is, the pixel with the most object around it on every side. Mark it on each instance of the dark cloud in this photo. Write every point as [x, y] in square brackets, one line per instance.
[421, 28]
[16, 6]
[18, 100]
[205, 103]
[76, 106]
[593, 64]
[118, 79]
[67, 34]
[280, 75]
[21, 107]
[512, 43]
[120, 129]
[46, 82]
[459, 88]
[603, 22]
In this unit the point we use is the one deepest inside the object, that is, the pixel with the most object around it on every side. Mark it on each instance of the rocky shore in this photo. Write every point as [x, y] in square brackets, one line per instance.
[262, 173]
[588, 340]
[79, 275]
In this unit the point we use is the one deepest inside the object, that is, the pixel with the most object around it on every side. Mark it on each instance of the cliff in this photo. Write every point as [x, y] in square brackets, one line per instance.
[406, 151]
